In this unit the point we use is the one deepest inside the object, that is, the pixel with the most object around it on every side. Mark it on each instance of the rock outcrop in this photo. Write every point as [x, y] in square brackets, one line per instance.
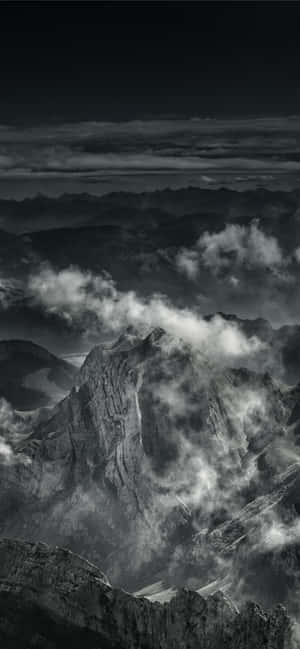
[53, 599]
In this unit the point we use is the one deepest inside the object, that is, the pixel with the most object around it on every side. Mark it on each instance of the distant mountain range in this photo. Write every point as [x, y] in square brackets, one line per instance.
[31, 377]
[136, 209]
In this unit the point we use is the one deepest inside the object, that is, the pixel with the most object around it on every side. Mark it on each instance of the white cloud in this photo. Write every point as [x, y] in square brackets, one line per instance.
[238, 245]
[73, 294]
[12, 430]
[187, 262]
[276, 534]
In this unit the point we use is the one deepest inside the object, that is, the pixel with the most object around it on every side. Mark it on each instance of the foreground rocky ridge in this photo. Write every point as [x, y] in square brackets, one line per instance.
[51, 598]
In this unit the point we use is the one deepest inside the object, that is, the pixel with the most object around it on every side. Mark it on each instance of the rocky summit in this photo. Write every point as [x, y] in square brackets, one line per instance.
[53, 599]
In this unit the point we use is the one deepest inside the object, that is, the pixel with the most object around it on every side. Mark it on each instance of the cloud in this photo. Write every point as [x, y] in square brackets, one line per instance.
[234, 281]
[74, 295]
[187, 262]
[276, 534]
[6, 452]
[240, 245]
[244, 269]
[295, 635]
[12, 430]
[182, 145]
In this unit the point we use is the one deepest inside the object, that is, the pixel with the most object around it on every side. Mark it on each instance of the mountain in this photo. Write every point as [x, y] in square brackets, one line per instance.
[31, 377]
[73, 210]
[53, 599]
[159, 467]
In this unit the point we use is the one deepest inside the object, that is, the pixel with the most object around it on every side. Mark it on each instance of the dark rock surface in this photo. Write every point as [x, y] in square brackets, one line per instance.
[53, 599]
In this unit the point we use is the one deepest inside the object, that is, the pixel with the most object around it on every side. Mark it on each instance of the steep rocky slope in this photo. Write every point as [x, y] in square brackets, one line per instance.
[51, 598]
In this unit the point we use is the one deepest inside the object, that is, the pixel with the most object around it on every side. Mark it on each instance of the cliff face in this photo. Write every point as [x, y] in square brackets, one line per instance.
[152, 462]
[51, 598]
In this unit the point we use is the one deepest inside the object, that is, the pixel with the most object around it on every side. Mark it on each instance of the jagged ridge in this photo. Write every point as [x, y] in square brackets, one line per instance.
[51, 598]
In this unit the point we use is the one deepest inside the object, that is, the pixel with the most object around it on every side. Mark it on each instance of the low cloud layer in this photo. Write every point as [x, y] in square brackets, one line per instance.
[259, 146]
[75, 294]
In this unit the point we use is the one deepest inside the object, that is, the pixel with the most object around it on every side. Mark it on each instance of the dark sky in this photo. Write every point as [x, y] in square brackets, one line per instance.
[122, 60]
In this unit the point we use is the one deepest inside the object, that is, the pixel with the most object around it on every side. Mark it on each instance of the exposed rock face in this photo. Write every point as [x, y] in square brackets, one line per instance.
[53, 599]
[154, 462]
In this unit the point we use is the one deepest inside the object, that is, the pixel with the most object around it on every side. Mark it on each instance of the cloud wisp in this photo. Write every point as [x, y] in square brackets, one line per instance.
[12, 430]
[75, 295]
